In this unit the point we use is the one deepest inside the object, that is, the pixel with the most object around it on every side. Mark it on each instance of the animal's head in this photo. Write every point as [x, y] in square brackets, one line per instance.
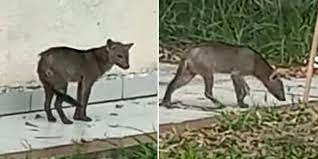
[119, 53]
[275, 86]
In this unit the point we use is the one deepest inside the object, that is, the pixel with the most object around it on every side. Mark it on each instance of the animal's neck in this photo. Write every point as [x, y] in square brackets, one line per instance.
[262, 70]
[103, 61]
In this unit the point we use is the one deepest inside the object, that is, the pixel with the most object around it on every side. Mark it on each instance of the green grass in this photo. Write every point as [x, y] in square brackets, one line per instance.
[280, 29]
[288, 132]
[142, 151]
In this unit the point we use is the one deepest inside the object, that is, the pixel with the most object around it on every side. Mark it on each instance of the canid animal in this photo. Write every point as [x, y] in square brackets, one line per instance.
[239, 61]
[59, 65]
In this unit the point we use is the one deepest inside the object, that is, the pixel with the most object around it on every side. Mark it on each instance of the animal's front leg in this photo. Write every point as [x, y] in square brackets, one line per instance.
[83, 93]
[241, 88]
[78, 110]
[85, 98]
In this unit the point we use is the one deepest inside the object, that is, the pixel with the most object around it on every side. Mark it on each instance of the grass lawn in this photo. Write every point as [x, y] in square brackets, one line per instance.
[279, 29]
[285, 132]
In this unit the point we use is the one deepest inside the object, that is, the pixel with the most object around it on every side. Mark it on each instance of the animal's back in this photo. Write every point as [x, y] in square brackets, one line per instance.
[63, 60]
[62, 54]
[222, 58]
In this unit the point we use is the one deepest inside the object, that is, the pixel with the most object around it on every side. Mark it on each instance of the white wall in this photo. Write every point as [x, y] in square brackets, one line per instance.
[28, 27]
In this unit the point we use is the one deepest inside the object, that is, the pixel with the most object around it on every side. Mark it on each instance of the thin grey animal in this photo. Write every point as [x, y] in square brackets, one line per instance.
[59, 65]
[206, 59]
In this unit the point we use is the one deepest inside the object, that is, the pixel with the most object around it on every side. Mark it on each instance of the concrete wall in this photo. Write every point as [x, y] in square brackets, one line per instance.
[28, 27]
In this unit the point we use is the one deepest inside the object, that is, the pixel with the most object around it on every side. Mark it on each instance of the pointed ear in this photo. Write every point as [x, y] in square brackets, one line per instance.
[128, 46]
[274, 75]
[109, 42]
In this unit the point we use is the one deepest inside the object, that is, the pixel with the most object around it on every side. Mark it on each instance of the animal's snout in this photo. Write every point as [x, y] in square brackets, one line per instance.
[125, 66]
[282, 98]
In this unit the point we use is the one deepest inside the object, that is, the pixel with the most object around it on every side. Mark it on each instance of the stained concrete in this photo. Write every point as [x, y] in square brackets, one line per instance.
[114, 119]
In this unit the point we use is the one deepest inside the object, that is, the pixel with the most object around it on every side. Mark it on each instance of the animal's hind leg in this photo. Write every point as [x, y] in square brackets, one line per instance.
[241, 88]
[182, 77]
[208, 92]
[58, 106]
[47, 103]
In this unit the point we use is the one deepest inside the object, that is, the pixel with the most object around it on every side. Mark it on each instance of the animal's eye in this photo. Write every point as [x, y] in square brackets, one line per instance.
[120, 56]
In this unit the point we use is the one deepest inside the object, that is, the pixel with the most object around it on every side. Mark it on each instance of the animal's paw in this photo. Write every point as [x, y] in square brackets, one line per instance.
[220, 105]
[243, 105]
[86, 118]
[217, 103]
[82, 118]
[168, 105]
[51, 119]
[67, 121]
[165, 103]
